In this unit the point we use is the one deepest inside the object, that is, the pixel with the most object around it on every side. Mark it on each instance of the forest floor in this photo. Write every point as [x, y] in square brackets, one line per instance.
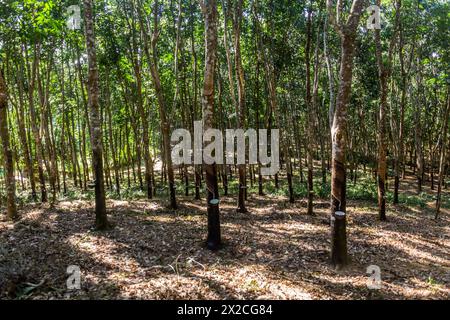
[274, 252]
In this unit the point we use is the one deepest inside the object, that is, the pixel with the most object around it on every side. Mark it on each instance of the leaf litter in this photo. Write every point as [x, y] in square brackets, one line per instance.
[274, 252]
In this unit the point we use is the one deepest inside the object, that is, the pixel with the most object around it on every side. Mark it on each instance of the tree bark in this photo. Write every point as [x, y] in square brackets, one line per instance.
[11, 211]
[347, 34]
[310, 118]
[34, 124]
[240, 107]
[142, 113]
[165, 126]
[443, 155]
[101, 221]
[22, 133]
[382, 164]
[112, 143]
[418, 133]
[209, 10]
[384, 71]
[45, 112]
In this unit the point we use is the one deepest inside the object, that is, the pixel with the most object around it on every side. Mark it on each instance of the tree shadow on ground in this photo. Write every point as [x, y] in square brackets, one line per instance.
[275, 251]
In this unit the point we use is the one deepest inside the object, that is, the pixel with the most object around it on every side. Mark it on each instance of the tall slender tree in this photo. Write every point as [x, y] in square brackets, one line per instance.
[310, 118]
[384, 72]
[150, 46]
[34, 120]
[209, 9]
[443, 155]
[101, 219]
[7, 152]
[347, 34]
[240, 107]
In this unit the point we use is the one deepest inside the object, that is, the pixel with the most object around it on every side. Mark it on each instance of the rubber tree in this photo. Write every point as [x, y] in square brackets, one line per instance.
[347, 34]
[209, 10]
[101, 219]
[11, 211]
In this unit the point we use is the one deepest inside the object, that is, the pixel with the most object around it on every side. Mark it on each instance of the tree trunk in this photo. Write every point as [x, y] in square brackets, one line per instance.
[418, 139]
[240, 108]
[43, 92]
[63, 145]
[101, 221]
[11, 211]
[165, 126]
[310, 119]
[442, 161]
[209, 10]
[111, 136]
[143, 116]
[338, 134]
[34, 125]
[23, 135]
[382, 163]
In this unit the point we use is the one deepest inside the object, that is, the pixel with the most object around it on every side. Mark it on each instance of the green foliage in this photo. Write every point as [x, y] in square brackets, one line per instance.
[271, 30]
[364, 189]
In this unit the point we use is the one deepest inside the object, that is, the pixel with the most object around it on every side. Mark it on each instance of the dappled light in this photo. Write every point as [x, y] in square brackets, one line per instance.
[271, 254]
[230, 150]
